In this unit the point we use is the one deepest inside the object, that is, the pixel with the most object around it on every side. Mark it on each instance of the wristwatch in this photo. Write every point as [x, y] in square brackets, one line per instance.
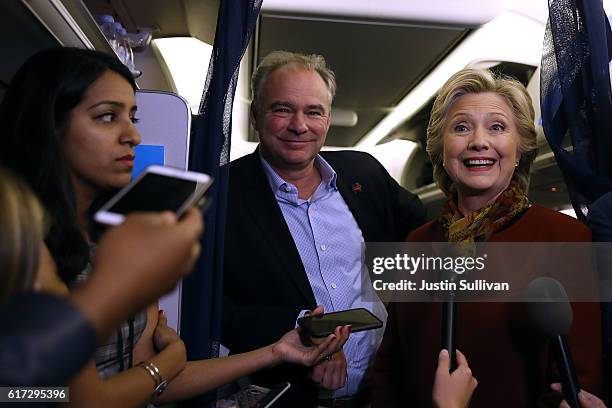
[160, 383]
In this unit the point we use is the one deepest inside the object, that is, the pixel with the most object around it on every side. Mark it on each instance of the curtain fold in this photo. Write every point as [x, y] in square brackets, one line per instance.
[209, 153]
[576, 98]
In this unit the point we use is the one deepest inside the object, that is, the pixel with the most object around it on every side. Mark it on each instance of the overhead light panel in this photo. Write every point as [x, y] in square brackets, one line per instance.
[343, 117]
[187, 59]
[464, 13]
[489, 43]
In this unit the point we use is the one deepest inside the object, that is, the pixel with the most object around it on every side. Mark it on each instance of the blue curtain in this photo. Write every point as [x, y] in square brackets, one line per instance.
[577, 111]
[210, 147]
[576, 97]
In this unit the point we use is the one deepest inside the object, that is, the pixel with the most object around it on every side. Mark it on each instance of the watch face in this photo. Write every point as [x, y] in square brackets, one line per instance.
[160, 388]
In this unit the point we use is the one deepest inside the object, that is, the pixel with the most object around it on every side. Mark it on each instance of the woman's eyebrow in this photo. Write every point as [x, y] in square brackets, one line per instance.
[107, 102]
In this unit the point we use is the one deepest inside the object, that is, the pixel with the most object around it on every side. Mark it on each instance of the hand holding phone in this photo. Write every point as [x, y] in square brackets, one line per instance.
[322, 325]
[156, 189]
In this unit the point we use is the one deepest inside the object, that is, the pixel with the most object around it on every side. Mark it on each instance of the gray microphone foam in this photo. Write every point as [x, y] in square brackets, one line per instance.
[549, 307]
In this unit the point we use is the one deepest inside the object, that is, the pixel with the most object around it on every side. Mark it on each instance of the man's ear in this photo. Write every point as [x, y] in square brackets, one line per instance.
[253, 115]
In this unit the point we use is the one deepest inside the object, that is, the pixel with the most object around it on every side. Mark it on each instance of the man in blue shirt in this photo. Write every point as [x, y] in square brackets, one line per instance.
[297, 222]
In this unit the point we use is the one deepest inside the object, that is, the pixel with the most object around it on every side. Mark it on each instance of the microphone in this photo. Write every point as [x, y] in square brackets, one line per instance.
[449, 317]
[449, 322]
[552, 315]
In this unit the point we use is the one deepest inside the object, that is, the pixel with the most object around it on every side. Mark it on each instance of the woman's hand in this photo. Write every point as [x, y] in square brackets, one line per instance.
[586, 399]
[453, 390]
[331, 373]
[165, 337]
[291, 348]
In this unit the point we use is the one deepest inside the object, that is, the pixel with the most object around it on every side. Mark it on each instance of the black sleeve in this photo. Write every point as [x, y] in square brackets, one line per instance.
[249, 327]
[409, 212]
[406, 209]
[45, 340]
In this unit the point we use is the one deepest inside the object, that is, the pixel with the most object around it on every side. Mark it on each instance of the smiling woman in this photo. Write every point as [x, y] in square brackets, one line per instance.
[481, 140]
[499, 107]
[480, 148]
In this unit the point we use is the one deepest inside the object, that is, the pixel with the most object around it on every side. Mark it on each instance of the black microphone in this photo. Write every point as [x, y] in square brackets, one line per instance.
[449, 320]
[449, 317]
[552, 315]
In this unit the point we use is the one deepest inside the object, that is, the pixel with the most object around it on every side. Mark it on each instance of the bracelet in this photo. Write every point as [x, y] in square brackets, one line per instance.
[149, 370]
[153, 371]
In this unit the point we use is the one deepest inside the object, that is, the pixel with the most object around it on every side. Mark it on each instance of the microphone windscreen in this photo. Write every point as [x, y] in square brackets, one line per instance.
[549, 308]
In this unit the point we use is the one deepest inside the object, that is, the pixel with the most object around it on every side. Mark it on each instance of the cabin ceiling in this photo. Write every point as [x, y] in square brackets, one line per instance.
[376, 63]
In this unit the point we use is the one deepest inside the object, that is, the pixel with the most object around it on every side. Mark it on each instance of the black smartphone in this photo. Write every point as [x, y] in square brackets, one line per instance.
[323, 325]
[254, 396]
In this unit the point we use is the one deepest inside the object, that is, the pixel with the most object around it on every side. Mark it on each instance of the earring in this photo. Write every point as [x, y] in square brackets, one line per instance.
[516, 164]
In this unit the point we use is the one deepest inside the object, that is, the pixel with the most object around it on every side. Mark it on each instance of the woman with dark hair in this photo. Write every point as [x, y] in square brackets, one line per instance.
[45, 339]
[33, 118]
[67, 126]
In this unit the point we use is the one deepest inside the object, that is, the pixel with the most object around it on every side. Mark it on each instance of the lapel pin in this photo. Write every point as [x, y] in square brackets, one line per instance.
[357, 188]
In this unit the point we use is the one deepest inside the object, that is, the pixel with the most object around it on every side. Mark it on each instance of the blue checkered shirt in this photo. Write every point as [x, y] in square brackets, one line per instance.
[330, 244]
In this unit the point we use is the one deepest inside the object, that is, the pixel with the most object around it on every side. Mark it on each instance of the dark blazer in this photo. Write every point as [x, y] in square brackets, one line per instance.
[265, 284]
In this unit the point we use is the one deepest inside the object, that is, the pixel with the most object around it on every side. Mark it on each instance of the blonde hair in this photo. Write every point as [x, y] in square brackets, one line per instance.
[277, 59]
[472, 81]
[21, 235]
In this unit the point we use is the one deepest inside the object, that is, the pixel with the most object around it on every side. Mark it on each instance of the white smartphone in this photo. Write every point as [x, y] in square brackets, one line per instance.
[157, 188]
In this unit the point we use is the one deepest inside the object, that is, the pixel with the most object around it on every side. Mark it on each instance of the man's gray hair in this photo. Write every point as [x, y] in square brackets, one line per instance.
[277, 59]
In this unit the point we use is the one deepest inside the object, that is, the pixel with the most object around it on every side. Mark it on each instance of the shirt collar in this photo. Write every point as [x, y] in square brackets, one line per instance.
[328, 175]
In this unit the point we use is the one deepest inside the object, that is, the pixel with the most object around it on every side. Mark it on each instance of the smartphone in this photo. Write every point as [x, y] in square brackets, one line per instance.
[157, 188]
[324, 324]
[254, 396]
[274, 394]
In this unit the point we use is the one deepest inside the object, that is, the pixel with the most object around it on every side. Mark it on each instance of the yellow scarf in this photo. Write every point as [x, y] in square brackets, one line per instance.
[481, 224]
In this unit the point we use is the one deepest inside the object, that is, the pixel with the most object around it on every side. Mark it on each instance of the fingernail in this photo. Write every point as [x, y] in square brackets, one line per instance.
[168, 217]
[444, 352]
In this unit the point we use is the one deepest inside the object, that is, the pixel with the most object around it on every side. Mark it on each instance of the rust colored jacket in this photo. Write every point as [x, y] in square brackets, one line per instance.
[513, 364]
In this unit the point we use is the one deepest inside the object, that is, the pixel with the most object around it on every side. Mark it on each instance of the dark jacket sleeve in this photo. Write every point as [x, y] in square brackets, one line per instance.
[260, 299]
[406, 211]
[44, 341]
[249, 327]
